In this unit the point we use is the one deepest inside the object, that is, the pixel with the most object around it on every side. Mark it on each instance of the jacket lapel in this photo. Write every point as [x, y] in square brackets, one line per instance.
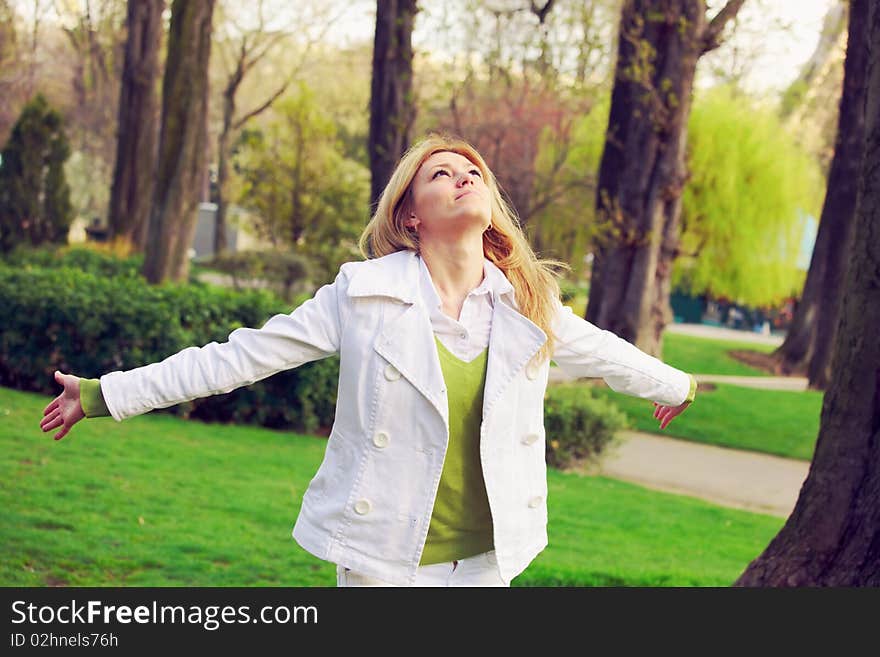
[513, 340]
[408, 344]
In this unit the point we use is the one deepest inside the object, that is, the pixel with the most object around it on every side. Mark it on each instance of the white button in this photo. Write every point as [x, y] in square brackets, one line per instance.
[530, 439]
[532, 371]
[380, 439]
[463, 336]
[535, 502]
[391, 373]
[362, 507]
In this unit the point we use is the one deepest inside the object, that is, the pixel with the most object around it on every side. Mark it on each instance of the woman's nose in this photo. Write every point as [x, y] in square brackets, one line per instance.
[465, 178]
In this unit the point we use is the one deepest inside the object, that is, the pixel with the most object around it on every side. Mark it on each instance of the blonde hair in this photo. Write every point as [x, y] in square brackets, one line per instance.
[504, 243]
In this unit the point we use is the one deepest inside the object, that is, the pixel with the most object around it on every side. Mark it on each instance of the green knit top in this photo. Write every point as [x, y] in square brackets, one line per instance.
[461, 522]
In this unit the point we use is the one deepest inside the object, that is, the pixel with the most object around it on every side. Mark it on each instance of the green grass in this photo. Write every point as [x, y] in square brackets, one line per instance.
[779, 422]
[708, 355]
[158, 501]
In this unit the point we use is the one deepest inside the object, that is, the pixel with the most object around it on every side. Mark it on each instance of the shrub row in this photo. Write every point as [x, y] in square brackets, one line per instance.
[86, 324]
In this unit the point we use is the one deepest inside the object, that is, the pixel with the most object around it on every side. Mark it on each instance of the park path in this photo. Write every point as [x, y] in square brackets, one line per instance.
[729, 477]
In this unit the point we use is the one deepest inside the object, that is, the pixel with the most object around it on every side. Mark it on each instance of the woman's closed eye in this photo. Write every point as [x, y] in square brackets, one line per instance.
[444, 171]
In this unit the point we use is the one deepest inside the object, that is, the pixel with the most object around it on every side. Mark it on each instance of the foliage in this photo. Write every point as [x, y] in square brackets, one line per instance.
[307, 197]
[84, 258]
[578, 424]
[34, 196]
[743, 207]
[285, 269]
[565, 227]
[90, 324]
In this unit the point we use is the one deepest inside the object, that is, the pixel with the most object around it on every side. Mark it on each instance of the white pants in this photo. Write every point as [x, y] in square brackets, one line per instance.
[479, 570]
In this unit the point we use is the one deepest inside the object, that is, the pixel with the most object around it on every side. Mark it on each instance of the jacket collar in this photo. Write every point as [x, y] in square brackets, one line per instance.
[397, 275]
[407, 341]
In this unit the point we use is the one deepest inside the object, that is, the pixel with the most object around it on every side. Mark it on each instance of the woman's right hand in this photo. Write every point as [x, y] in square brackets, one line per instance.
[65, 410]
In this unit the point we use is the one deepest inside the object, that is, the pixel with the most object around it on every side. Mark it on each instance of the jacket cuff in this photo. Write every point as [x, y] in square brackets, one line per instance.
[92, 399]
[692, 393]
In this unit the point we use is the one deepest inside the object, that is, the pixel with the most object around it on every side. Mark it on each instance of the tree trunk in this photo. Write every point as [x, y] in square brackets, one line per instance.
[833, 535]
[220, 241]
[840, 200]
[132, 189]
[181, 142]
[392, 109]
[803, 349]
[642, 171]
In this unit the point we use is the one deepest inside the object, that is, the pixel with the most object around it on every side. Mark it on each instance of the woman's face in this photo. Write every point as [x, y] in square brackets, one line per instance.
[450, 198]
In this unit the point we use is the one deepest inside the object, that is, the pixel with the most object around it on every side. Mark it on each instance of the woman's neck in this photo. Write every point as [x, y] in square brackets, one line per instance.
[456, 269]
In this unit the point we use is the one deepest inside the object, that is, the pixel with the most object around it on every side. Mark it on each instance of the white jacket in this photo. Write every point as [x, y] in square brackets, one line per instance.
[369, 505]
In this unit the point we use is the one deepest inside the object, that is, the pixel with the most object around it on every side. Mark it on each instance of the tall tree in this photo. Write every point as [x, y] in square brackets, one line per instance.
[810, 339]
[132, 189]
[34, 196]
[182, 141]
[642, 171]
[832, 537]
[392, 107]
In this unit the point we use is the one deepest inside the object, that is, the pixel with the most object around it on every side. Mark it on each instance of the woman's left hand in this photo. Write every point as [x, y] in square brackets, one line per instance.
[667, 413]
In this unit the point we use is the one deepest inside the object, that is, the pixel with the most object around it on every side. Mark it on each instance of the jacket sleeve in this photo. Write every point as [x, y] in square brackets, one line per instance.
[311, 332]
[583, 350]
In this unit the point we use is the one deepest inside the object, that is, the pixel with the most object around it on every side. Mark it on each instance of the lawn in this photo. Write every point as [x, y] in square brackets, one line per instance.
[159, 501]
[779, 422]
[708, 355]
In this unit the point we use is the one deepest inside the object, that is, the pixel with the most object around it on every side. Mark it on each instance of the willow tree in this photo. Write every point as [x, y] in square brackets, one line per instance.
[182, 137]
[642, 172]
[832, 537]
[750, 188]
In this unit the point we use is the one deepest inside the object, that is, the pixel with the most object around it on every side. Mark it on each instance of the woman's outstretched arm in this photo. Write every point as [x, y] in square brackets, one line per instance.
[584, 350]
[311, 332]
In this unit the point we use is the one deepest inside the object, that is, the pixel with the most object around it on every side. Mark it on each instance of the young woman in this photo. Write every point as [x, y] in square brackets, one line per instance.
[434, 472]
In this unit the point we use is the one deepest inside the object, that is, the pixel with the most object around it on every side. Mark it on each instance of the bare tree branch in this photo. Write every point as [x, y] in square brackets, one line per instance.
[712, 33]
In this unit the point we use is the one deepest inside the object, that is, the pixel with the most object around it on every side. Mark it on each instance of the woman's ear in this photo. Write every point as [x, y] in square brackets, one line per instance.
[411, 221]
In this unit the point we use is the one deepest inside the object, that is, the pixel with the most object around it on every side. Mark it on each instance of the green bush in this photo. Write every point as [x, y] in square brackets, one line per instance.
[578, 424]
[285, 269]
[77, 257]
[75, 321]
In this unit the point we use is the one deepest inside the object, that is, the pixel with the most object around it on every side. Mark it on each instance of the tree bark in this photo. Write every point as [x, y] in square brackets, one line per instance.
[220, 241]
[392, 108]
[132, 189]
[803, 349]
[840, 199]
[642, 170]
[833, 535]
[181, 142]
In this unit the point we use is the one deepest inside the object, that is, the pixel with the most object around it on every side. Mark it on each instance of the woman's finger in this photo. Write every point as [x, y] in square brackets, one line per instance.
[53, 424]
[52, 406]
[49, 419]
[62, 433]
